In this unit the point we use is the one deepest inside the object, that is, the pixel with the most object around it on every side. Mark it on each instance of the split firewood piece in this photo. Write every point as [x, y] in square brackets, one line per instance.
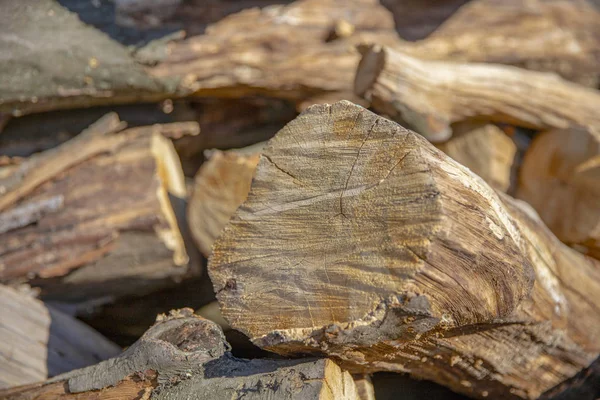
[485, 149]
[362, 241]
[98, 217]
[38, 342]
[184, 356]
[560, 178]
[560, 36]
[429, 96]
[220, 187]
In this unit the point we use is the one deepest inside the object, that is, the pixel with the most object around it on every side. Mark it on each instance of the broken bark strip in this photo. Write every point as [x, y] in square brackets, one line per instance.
[362, 241]
[37, 342]
[184, 356]
[560, 178]
[97, 217]
[220, 187]
[429, 96]
[560, 36]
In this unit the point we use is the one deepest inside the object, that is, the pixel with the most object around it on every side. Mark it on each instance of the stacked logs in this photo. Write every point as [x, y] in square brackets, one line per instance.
[427, 203]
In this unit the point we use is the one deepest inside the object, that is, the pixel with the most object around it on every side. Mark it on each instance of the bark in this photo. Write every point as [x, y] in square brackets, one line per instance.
[224, 124]
[486, 150]
[220, 187]
[560, 178]
[184, 356]
[429, 96]
[84, 68]
[362, 241]
[98, 217]
[418, 19]
[364, 387]
[37, 341]
[302, 50]
[560, 36]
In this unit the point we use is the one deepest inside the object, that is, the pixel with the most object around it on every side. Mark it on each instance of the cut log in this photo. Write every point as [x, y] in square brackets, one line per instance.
[38, 342]
[362, 241]
[486, 150]
[98, 217]
[301, 50]
[429, 96]
[560, 178]
[220, 187]
[126, 320]
[183, 356]
[560, 36]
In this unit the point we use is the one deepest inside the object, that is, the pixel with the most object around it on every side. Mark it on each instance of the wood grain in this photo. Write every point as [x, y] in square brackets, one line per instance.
[362, 241]
[429, 96]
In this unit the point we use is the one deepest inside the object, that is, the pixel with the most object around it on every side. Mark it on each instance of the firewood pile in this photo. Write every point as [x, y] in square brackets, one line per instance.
[310, 199]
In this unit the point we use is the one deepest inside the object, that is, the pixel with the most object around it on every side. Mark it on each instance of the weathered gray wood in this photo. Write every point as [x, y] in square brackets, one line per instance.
[362, 241]
[184, 356]
[485, 149]
[38, 342]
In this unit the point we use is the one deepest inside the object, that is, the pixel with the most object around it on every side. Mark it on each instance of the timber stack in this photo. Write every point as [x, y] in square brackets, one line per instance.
[300, 199]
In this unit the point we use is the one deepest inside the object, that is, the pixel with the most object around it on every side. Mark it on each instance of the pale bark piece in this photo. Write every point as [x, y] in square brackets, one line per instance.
[38, 342]
[560, 178]
[183, 356]
[99, 217]
[220, 187]
[486, 150]
[560, 36]
[362, 241]
[429, 96]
